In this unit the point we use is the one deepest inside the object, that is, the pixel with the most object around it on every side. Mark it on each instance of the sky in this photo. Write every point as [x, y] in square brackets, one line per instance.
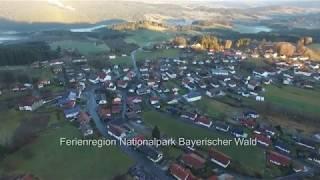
[63, 4]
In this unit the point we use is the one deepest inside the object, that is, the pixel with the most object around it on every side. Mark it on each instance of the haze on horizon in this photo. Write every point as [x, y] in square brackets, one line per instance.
[78, 11]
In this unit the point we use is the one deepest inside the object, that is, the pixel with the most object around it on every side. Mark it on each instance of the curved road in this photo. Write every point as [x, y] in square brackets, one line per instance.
[139, 158]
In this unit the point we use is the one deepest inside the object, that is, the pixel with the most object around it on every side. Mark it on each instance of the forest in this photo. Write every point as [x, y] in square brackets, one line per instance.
[25, 53]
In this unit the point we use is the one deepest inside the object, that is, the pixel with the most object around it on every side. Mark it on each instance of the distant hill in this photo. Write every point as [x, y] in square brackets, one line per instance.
[95, 11]
[149, 25]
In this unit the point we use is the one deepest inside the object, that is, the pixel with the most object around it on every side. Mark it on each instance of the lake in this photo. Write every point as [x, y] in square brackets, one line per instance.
[251, 29]
[6, 36]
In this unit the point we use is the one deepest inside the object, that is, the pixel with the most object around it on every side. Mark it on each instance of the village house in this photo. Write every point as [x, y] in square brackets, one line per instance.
[101, 99]
[192, 96]
[193, 160]
[189, 115]
[104, 112]
[260, 73]
[263, 140]
[219, 72]
[179, 172]
[220, 126]
[278, 159]
[116, 131]
[152, 154]
[238, 132]
[282, 147]
[43, 83]
[30, 103]
[314, 157]
[203, 121]
[154, 100]
[248, 122]
[86, 129]
[307, 143]
[215, 93]
[219, 158]
[72, 113]
[172, 100]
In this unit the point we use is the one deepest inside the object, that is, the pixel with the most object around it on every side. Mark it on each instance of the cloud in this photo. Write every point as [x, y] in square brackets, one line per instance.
[60, 4]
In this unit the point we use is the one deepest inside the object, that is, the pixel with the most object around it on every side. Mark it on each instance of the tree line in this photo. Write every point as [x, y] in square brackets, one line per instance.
[25, 53]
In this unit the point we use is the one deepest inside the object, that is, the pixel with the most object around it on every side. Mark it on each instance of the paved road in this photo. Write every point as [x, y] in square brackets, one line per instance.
[134, 63]
[138, 157]
[92, 109]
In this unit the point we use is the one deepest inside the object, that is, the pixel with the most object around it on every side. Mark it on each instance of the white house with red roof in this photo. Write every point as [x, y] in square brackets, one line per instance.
[203, 121]
[116, 132]
[278, 159]
[179, 172]
[30, 103]
[263, 140]
[193, 160]
[219, 158]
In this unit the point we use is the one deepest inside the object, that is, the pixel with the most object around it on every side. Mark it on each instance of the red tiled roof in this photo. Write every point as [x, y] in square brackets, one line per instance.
[154, 98]
[262, 138]
[132, 99]
[28, 101]
[250, 123]
[179, 171]
[219, 156]
[83, 118]
[138, 138]
[203, 119]
[193, 160]
[275, 158]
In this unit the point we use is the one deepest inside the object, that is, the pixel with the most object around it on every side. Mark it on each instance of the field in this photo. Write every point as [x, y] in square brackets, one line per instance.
[46, 159]
[155, 54]
[14, 124]
[145, 37]
[143, 55]
[9, 122]
[294, 99]
[214, 108]
[122, 60]
[252, 159]
[84, 47]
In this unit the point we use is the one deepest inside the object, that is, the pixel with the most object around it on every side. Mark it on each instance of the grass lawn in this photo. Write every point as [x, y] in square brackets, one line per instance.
[295, 99]
[143, 55]
[145, 37]
[120, 60]
[171, 152]
[46, 159]
[252, 159]
[258, 62]
[155, 54]
[84, 47]
[31, 72]
[11, 120]
[215, 108]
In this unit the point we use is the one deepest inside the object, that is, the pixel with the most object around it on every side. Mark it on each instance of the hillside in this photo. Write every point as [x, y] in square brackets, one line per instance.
[67, 11]
[149, 25]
